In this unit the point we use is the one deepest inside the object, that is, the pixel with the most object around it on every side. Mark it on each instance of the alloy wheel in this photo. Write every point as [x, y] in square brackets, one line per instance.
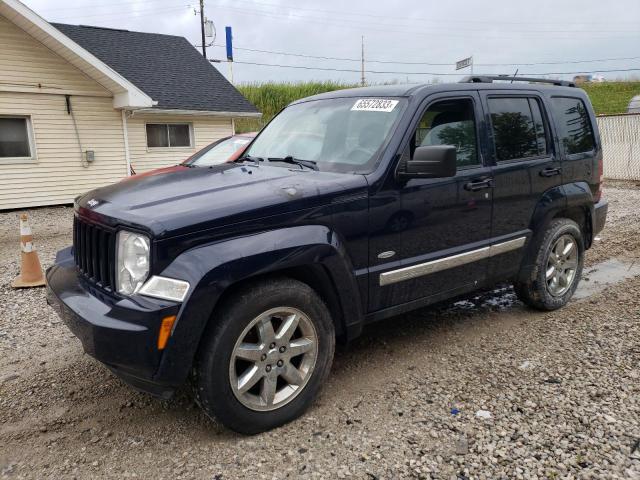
[562, 265]
[273, 359]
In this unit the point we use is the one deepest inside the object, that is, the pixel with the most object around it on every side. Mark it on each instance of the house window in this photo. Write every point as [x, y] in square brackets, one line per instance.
[163, 135]
[16, 141]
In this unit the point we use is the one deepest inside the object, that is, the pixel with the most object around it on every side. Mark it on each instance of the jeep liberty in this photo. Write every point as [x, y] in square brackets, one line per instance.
[349, 207]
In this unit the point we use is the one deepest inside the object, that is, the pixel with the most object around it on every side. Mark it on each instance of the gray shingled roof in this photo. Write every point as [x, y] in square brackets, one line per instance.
[165, 67]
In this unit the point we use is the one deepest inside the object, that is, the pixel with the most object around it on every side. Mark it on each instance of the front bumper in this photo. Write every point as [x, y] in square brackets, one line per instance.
[122, 333]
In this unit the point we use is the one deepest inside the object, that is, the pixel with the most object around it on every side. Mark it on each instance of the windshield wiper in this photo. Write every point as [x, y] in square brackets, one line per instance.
[296, 161]
[255, 160]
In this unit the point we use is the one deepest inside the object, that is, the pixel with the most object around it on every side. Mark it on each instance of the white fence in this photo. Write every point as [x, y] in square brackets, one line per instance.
[621, 145]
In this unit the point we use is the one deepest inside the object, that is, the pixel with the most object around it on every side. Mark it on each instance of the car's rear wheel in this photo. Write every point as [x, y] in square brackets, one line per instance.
[556, 269]
[266, 355]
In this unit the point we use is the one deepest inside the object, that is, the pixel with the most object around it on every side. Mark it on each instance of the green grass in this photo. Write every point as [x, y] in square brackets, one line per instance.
[271, 97]
[611, 97]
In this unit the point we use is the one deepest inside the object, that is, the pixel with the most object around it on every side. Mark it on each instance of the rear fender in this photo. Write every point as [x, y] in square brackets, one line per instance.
[213, 268]
[563, 198]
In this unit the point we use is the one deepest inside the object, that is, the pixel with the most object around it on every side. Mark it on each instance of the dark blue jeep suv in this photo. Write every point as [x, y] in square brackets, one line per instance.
[349, 207]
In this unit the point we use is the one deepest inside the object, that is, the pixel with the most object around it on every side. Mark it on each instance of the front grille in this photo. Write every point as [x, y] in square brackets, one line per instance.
[94, 252]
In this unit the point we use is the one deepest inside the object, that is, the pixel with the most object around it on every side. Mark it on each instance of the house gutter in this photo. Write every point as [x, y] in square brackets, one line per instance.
[125, 135]
[197, 113]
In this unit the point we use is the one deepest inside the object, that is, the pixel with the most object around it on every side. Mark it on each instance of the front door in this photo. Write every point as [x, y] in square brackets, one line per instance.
[437, 229]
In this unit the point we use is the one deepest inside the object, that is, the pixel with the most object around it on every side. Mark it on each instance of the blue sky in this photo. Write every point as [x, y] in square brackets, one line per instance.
[427, 35]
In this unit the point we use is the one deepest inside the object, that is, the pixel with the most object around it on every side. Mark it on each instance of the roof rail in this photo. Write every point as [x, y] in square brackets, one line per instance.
[491, 78]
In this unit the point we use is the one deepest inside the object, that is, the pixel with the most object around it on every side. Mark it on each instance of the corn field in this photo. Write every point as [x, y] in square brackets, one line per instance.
[271, 97]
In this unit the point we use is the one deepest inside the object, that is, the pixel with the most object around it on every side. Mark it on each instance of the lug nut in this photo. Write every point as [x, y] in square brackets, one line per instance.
[268, 368]
[282, 349]
[263, 357]
[273, 345]
[280, 363]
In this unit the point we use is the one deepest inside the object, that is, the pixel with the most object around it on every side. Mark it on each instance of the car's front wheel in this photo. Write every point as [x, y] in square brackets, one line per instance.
[557, 267]
[266, 355]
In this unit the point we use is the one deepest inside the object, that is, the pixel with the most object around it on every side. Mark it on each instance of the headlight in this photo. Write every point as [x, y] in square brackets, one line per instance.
[132, 262]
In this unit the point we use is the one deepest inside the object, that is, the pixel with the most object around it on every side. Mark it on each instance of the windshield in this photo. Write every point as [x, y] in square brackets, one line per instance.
[219, 153]
[339, 134]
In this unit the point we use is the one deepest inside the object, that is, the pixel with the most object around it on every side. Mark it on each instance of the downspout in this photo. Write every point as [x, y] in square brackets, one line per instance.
[125, 135]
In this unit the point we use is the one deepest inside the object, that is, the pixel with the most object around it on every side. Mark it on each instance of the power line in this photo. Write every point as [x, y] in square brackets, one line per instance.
[135, 13]
[395, 62]
[360, 14]
[84, 6]
[351, 24]
[351, 70]
[422, 20]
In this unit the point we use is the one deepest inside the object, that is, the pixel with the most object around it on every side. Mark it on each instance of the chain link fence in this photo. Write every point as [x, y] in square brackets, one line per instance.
[620, 136]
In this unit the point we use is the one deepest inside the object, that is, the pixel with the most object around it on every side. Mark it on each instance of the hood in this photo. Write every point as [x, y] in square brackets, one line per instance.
[191, 199]
[157, 171]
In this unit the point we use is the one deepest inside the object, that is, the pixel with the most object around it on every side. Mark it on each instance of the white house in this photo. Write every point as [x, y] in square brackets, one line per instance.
[81, 107]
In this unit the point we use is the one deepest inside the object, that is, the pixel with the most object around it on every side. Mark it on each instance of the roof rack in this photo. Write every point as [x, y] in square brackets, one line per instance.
[491, 78]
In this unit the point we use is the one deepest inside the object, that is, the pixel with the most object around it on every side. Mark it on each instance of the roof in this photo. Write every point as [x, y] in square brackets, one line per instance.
[420, 90]
[165, 67]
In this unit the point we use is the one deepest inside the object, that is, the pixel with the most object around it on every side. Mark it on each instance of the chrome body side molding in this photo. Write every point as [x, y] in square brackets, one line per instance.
[427, 268]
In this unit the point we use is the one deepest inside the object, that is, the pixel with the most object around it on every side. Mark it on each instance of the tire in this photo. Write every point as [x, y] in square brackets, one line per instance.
[538, 291]
[220, 389]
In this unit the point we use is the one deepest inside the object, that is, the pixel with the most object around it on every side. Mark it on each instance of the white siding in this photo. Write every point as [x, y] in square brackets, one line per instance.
[57, 175]
[205, 131]
[33, 82]
[26, 64]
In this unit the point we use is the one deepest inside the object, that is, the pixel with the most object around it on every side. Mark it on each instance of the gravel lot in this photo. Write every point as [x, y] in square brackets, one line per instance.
[562, 389]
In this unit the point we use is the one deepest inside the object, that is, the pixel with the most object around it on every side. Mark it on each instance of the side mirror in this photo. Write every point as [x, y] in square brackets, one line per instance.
[433, 161]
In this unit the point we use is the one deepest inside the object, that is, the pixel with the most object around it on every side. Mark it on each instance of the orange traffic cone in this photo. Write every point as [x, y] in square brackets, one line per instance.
[30, 271]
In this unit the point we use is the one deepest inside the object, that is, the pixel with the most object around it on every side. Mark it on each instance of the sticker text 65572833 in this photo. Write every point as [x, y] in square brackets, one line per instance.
[374, 105]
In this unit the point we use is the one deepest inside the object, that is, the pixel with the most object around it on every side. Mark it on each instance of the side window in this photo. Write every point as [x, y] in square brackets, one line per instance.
[16, 141]
[169, 135]
[518, 128]
[574, 125]
[450, 122]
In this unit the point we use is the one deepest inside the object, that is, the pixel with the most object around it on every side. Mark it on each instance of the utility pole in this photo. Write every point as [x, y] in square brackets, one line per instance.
[362, 79]
[204, 43]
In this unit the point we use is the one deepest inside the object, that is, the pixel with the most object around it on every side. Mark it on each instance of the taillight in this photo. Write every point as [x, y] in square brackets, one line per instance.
[598, 195]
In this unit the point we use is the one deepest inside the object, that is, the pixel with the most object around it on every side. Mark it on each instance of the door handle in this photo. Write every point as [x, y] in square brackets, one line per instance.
[476, 185]
[550, 172]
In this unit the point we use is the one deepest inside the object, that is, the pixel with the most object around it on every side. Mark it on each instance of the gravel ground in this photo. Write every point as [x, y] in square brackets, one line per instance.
[560, 391]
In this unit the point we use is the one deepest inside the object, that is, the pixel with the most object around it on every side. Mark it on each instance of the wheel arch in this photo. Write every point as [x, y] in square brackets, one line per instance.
[573, 201]
[312, 254]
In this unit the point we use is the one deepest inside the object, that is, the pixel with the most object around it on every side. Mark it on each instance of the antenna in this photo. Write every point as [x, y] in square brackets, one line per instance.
[514, 75]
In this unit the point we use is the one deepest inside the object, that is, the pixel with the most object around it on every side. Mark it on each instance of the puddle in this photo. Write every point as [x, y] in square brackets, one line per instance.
[598, 277]
[500, 298]
[594, 279]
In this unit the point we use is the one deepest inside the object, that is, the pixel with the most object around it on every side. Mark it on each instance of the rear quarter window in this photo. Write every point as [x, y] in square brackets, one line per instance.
[574, 125]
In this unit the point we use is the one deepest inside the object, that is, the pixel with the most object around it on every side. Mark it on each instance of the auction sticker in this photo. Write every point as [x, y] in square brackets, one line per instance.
[374, 105]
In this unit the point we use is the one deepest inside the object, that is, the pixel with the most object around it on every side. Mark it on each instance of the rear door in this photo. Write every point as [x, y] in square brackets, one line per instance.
[526, 164]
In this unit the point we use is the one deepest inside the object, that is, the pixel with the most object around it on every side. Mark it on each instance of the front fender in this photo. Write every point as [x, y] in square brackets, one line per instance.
[212, 268]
